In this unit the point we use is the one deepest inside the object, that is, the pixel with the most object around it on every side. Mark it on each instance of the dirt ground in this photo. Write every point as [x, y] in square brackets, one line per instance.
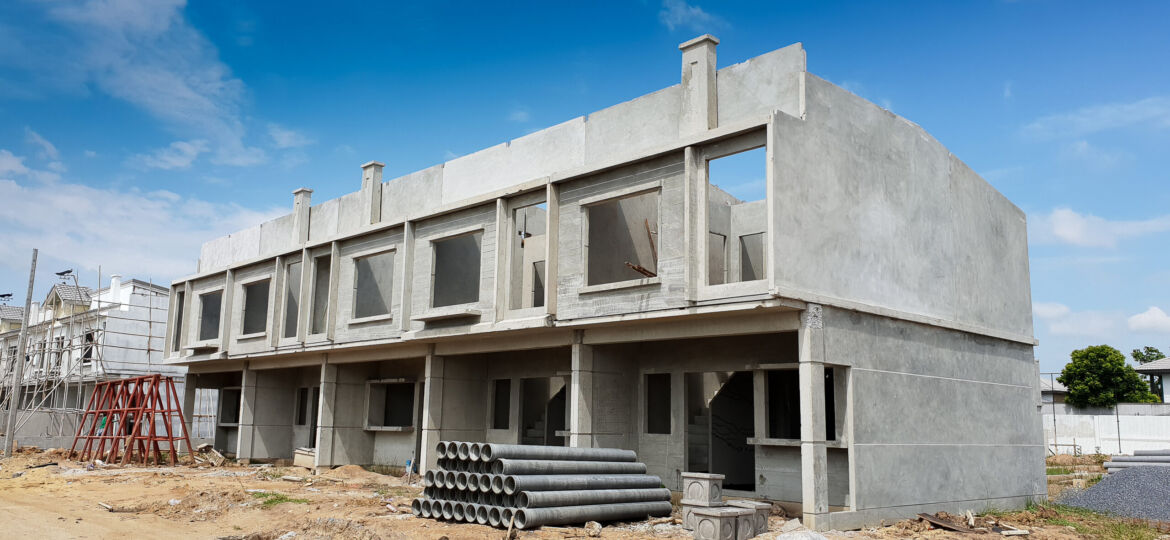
[69, 499]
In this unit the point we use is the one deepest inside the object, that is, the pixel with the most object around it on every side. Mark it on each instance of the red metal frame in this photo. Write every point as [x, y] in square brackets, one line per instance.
[135, 410]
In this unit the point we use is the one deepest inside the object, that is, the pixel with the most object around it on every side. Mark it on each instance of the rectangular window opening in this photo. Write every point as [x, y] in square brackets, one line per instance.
[87, 347]
[255, 307]
[373, 277]
[292, 298]
[391, 404]
[209, 307]
[528, 253]
[229, 406]
[177, 337]
[320, 311]
[456, 270]
[302, 406]
[501, 403]
[783, 395]
[623, 239]
[736, 210]
[658, 403]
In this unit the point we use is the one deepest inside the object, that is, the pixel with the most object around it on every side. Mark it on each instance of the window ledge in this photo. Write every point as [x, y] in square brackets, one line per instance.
[228, 424]
[370, 319]
[764, 441]
[629, 284]
[251, 336]
[449, 312]
[392, 429]
[203, 347]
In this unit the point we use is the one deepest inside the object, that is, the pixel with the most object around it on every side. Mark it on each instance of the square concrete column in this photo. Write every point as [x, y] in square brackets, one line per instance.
[699, 98]
[325, 415]
[581, 396]
[189, 388]
[813, 453]
[432, 410]
[245, 435]
[371, 194]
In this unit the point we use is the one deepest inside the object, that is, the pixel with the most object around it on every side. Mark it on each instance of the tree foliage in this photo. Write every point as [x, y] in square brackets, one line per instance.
[1146, 355]
[1098, 376]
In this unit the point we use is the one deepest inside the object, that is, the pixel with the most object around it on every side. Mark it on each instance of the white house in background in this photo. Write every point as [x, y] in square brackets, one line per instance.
[77, 337]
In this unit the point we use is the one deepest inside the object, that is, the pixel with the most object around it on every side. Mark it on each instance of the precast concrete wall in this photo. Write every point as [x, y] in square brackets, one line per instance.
[872, 210]
[941, 419]
[1132, 426]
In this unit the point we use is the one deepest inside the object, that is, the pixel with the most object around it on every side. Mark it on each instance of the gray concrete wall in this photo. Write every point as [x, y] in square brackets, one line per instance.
[939, 416]
[872, 209]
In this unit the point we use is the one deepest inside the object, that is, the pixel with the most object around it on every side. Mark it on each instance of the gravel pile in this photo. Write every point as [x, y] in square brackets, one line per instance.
[1136, 492]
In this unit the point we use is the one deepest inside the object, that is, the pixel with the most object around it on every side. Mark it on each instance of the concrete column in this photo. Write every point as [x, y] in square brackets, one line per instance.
[326, 414]
[225, 311]
[372, 192]
[700, 110]
[302, 200]
[190, 384]
[581, 396]
[552, 247]
[813, 454]
[404, 286]
[246, 431]
[432, 409]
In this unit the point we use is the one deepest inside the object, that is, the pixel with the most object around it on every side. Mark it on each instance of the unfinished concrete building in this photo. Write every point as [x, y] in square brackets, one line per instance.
[77, 337]
[846, 327]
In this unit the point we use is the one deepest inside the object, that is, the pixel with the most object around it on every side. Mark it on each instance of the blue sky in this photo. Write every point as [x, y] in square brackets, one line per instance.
[130, 132]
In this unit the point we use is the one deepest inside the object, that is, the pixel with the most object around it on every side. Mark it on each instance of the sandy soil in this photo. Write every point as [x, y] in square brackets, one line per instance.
[65, 500]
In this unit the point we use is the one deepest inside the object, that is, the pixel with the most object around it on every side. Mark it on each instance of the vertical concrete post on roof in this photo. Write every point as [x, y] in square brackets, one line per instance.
[245, 441]
[302, 200]
[372, 192]
[432, 408]
[700, 110]
[814, 469]
[326, 413]
[581, 398]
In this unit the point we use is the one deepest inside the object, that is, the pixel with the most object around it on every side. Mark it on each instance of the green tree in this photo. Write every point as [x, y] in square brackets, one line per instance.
[1145, 355]
[1099, 377]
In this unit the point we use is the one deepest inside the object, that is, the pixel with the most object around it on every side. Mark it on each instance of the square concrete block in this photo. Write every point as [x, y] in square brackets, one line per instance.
[745, 524]
[702, 489]
[762, 511]
[688, 516]
[716, 523]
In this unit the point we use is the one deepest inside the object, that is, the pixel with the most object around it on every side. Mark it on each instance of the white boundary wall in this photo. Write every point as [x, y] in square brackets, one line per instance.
[1143, 426]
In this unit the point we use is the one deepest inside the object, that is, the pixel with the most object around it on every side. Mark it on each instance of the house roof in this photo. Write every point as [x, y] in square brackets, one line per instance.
[1052, 385]
[13, 313]
[1157, 366]
[71, 294]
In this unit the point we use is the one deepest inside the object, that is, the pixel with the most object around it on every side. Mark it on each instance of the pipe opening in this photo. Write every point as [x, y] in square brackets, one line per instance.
[521, 520]
[522, 499]
[509, 485]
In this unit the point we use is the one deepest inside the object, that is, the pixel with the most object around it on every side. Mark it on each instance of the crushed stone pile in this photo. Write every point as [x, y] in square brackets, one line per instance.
[1136, 492]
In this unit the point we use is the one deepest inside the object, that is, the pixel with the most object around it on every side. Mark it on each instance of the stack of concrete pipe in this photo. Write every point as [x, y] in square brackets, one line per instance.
[529, 486]
[1140, 458]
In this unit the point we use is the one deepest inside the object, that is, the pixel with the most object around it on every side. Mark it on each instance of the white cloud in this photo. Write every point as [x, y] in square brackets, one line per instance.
[179, 155]
[46, 150]
[1086, 324]
[1084, 121]
[1083, 153]
[11, 165]
[1152, 320]
[144, 53]
[57, 166]
[679, 14]
[287, 138]
[149, 235]
[1066, 226]
[519, 115]
[1049, 310]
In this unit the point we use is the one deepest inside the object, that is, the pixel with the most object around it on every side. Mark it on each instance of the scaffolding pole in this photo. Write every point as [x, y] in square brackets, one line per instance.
[9, 431]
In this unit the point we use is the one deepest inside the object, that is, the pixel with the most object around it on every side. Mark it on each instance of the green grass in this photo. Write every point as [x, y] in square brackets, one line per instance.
[272, 499]
[1060, 470]
[1094, 524]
